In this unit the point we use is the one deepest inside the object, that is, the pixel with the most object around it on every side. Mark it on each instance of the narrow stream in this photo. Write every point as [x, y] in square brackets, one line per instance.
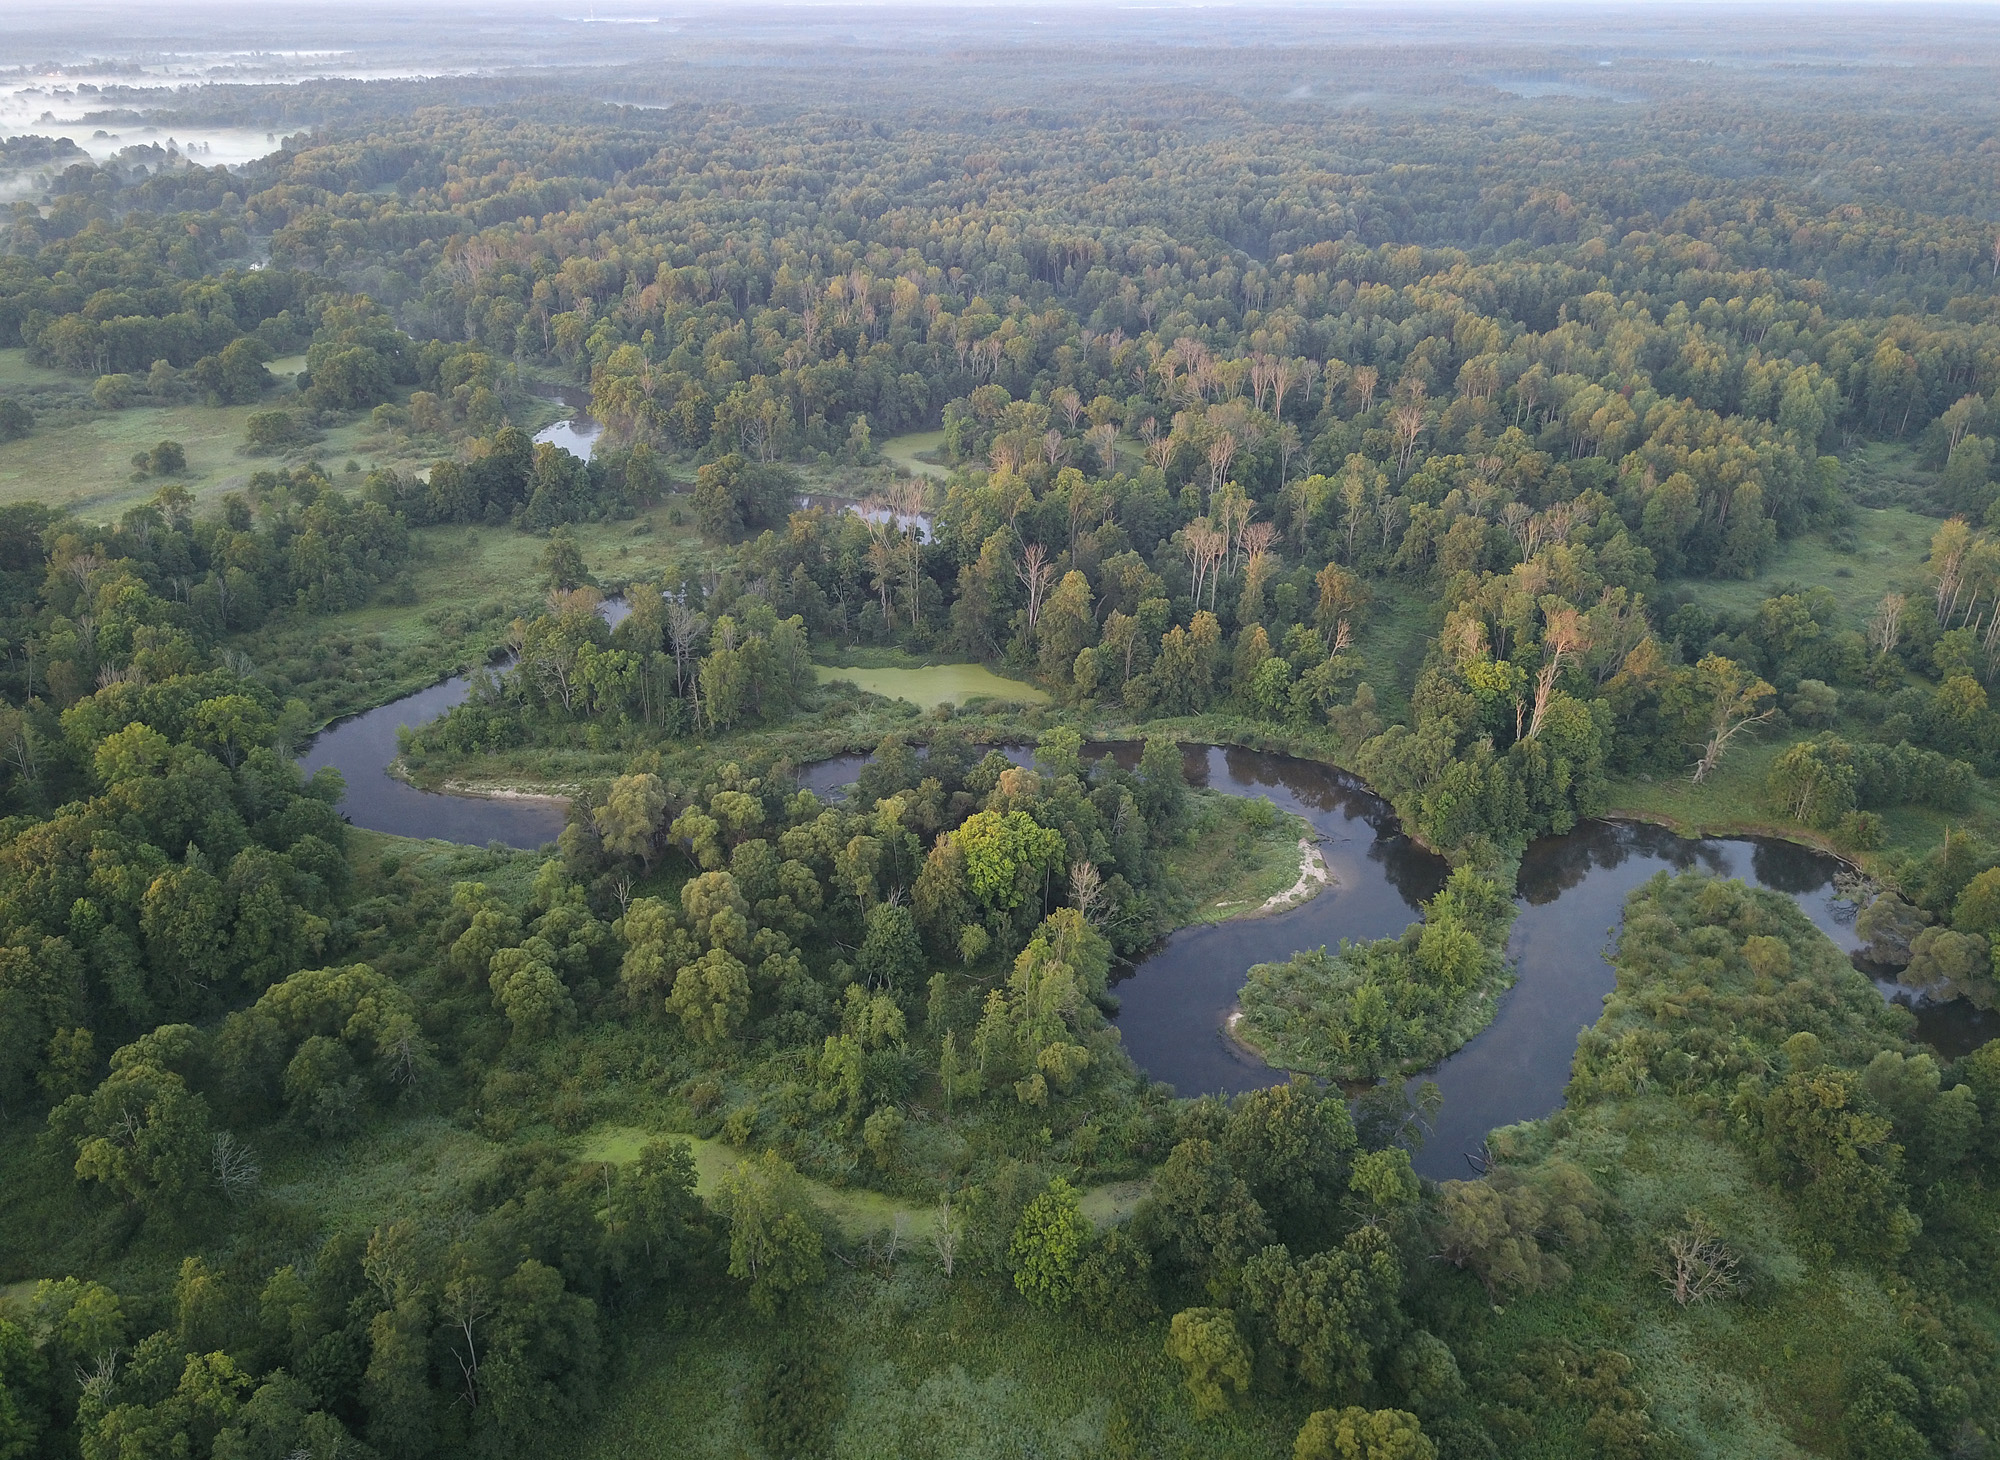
[1176, 1000]
[578, 434]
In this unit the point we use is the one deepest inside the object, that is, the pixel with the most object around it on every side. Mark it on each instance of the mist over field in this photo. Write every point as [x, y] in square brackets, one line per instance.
[860, 731]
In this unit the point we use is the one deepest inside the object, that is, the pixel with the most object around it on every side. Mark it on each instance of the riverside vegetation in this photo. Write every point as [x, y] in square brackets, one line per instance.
[1467, 468]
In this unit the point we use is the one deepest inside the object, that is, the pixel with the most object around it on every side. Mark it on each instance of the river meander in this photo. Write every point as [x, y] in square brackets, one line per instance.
[1175, 1002]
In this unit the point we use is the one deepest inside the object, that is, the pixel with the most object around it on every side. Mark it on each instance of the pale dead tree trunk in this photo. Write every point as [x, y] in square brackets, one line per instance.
[1567, 634]
[1697, 1266]
[1034, 573]
[1221, 452]
[465, 1304]
[1196, 551]
[1081, 504]
[1281, 381]
[1949, 549]
[1288, 447]
[1390, 509]
[1735, 711]
[1309, 373]
[1053, 446]
[1260, 380]
[1527, 395]
[1236, 510]
[1104, 440]
[684, 630]
[1364, 383]
[881, 562]
[1408, 424]
[1086, 890]
[234, 1165]
[83, 567]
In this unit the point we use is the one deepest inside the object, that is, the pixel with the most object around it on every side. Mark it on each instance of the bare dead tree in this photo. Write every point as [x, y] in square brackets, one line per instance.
[234, 1166]
[1408, 423]
[84, 567]
[1363, 384]
[467, 1302]
[1885, 628]
[1035, 572]
[1104, 441]
[1567, 635]
[1204, 547]
[1949, 552]
[1086, 890]
[1221, 452]
[1070, 404]
[685, 627]
[1735, 697]
[1696, 1266]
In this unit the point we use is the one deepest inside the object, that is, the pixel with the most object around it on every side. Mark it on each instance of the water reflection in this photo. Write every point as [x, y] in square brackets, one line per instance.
[578, 435]
[1176, 1001]
[1573, 890]
[919, 522]
[361, 749]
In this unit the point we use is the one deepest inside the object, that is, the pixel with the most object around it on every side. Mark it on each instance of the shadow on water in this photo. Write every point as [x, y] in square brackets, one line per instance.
[363, 746]
[1572, 896]
[1176, 1002]
[361, 749]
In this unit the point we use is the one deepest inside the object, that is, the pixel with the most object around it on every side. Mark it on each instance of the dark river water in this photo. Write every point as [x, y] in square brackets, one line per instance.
[1176, 1001]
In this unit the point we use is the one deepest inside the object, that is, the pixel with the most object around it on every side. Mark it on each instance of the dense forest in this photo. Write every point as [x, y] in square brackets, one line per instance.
[1520, 452]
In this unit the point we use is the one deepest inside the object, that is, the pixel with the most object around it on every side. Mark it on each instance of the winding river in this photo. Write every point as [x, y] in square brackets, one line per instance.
[1176, 1001]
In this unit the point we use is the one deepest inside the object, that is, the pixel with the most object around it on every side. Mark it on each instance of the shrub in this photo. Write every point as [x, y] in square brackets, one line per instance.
[269, 430]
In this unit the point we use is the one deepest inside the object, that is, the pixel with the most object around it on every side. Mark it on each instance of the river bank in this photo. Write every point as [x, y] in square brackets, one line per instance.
[1175, 1002]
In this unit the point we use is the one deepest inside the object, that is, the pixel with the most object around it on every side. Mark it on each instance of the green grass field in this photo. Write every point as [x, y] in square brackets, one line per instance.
[934, 1369]
[83, 460]
[1392, 643]
[902, 451]
[17, 371]
[1243, 851]
[1890, 544]
[935, 684]
[1733, 801]
[856, 1211]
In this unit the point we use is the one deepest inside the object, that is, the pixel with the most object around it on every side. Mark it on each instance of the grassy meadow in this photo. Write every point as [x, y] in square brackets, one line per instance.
[1886, 555]
[909, 453]
[935, 684]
